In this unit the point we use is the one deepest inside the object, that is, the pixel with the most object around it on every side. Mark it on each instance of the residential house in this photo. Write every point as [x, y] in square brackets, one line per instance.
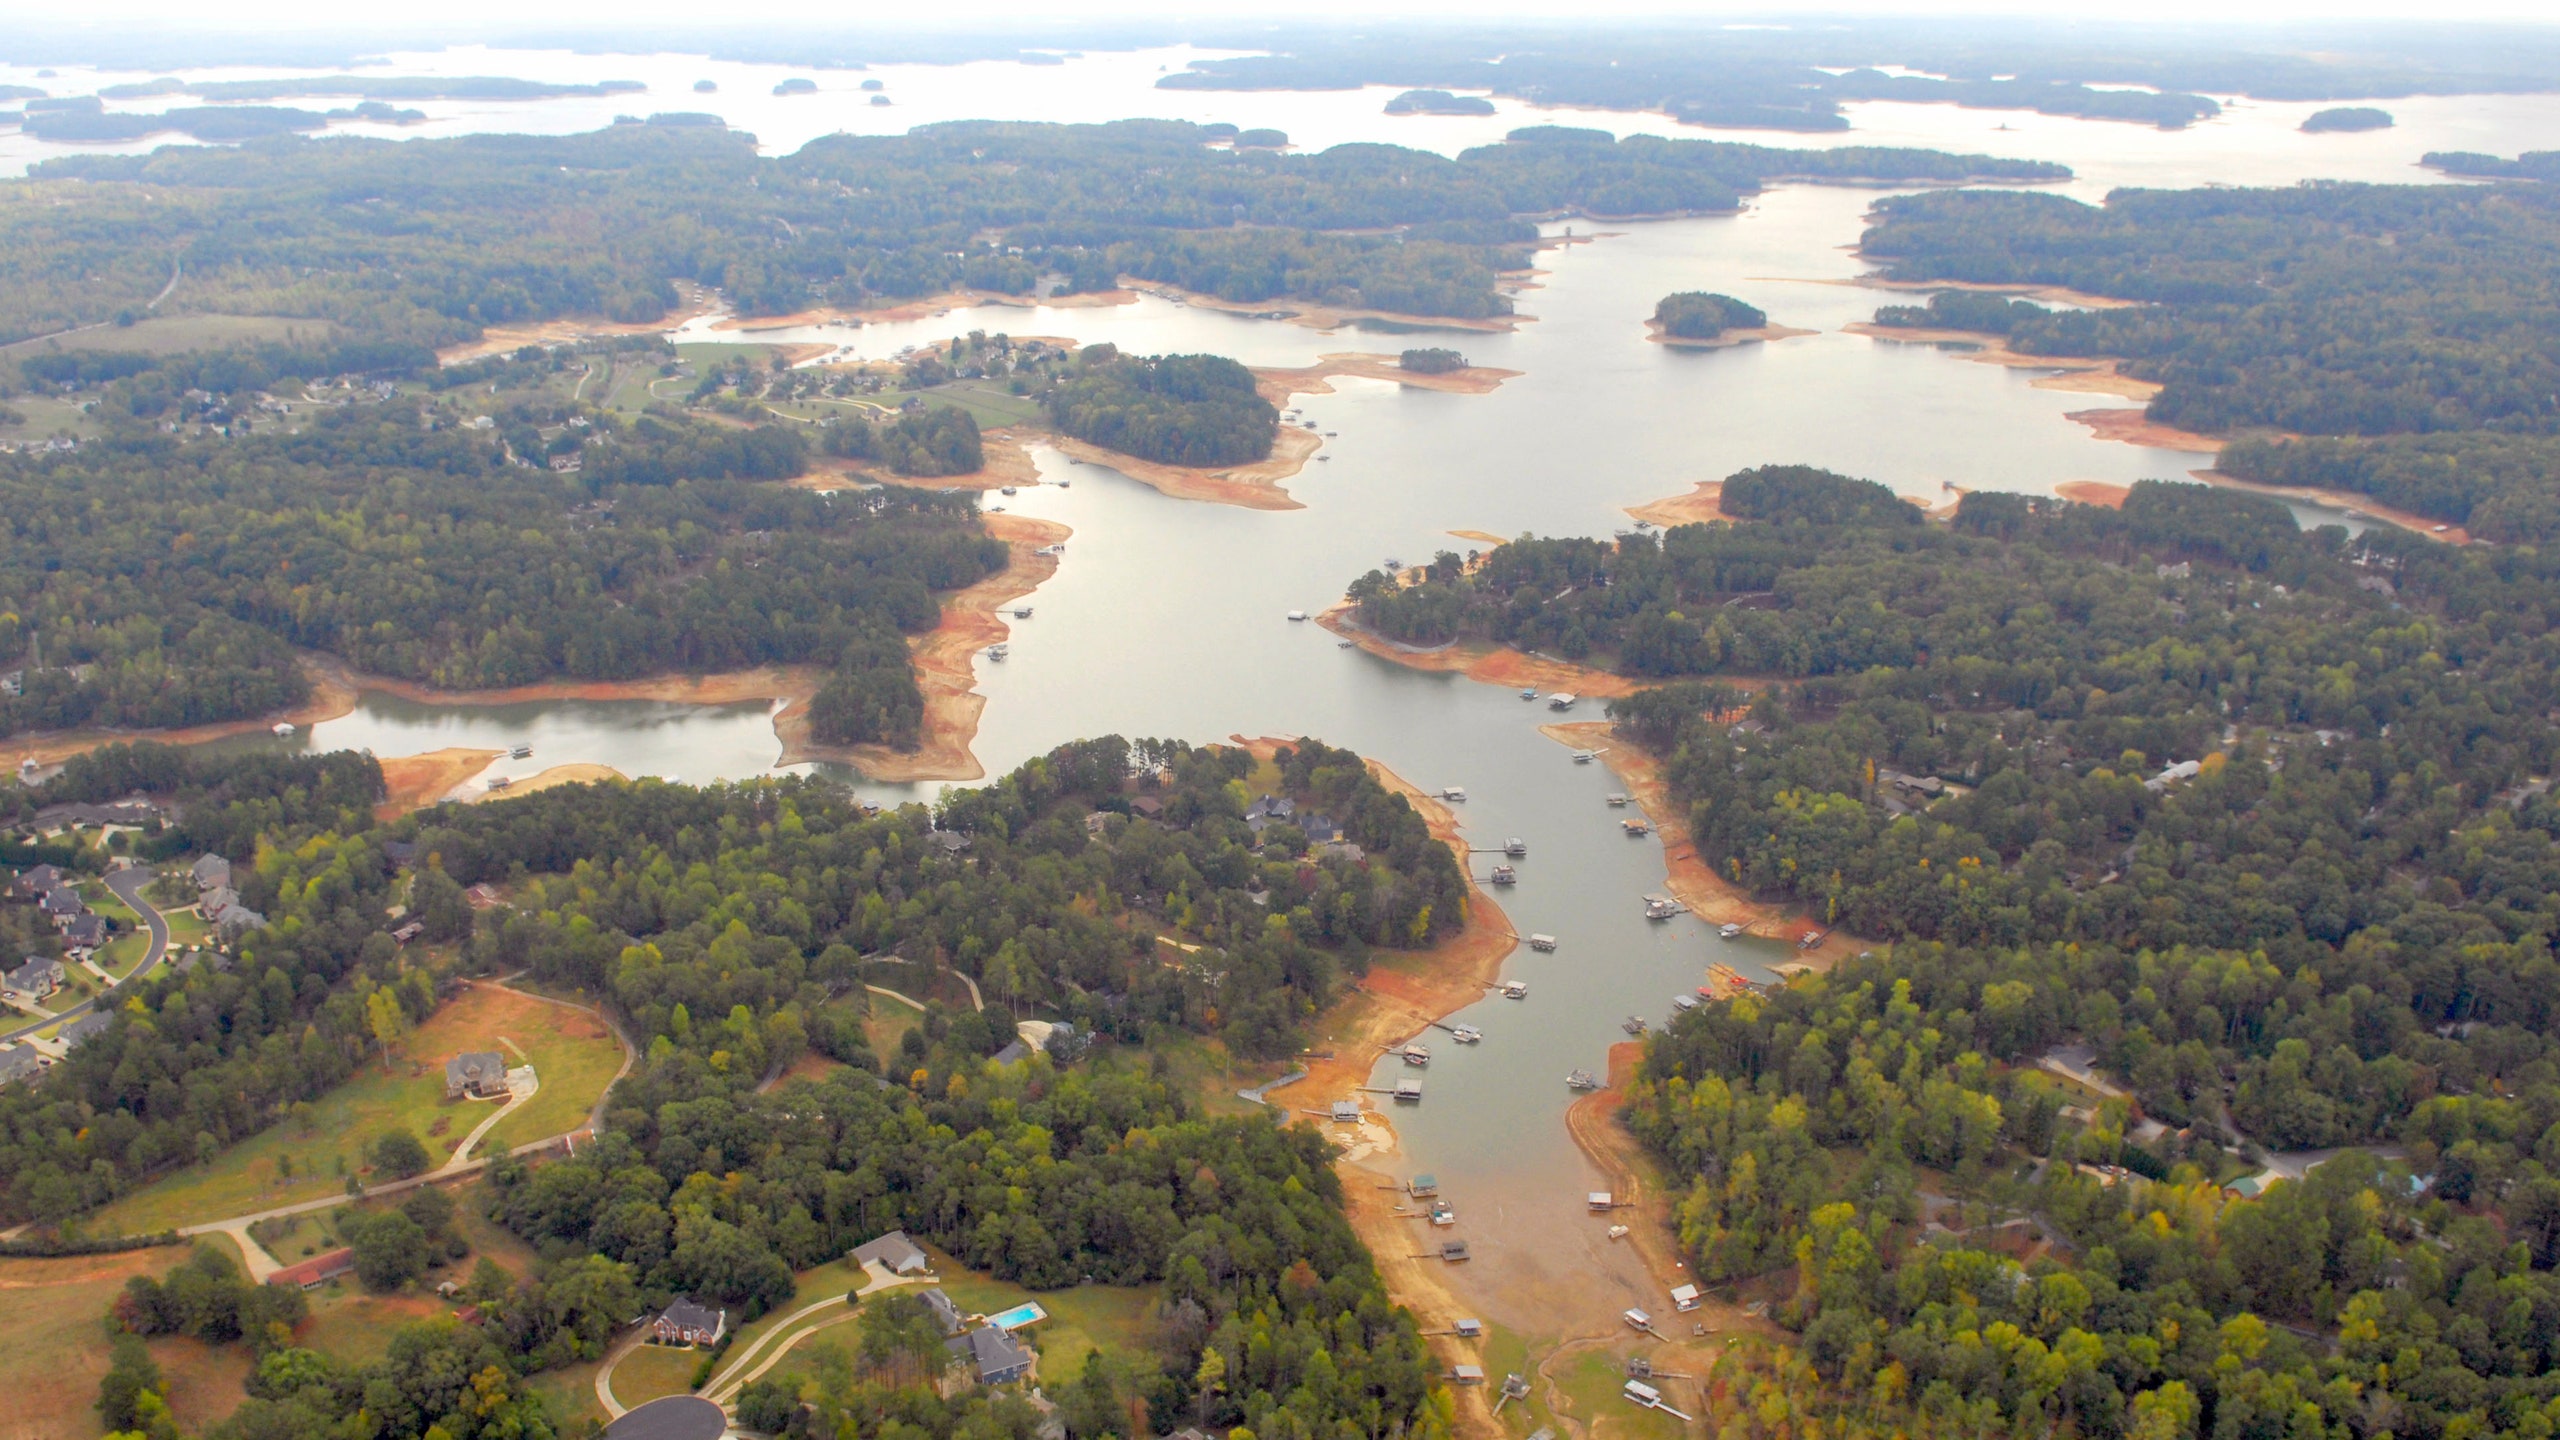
[993, 1355]
[1147, 805]
[317, 1271]
[80, 1031]
[211, 872]
[60, 905]
[951, 842]
[39, 881]
[407, 933]
[689, 1322]
[1320, 829]
[39, 977]
[18, 1062]
[216, 900]
[236, 920]
[478, 1074]
[85, 936]
[893, 1252]
[945, 1314]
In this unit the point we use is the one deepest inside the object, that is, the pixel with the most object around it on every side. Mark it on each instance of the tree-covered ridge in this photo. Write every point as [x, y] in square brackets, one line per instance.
[2498, 486]
[2327, 309]
[1701, 315]
[408, 544]
[934, 440]
[428, 242]
[1173, 409]
[1828, 1127]
[721, 922]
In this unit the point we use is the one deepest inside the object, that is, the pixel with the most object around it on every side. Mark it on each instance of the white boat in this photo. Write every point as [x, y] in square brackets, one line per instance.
[1505, 875]
[1006, 490]
[1515, 847]
[1454, 792]
[1585, 757]
[1542, 943]
[1443, 1215]
[1562, 700]
[1636, 828]
[1617, 1232]
[998, 652]
[1515, 989]
[1297, 614]
[1661, 907]
[521, 752]
[282, 727]
[1466, 1034]
[1618, 802]
[1633, 1025]
[1580, 1080]
[1729, 931]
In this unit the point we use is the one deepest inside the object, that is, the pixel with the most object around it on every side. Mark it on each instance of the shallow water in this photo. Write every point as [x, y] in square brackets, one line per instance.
[1168, 618]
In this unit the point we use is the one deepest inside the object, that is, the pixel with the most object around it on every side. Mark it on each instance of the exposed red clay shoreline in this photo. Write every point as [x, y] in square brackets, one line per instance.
[2136, 427]
[1478, 661]
[1702, 504]
[1692, 881]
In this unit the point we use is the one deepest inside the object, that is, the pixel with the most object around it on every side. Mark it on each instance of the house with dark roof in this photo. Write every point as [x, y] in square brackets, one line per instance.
[60, 904]
[211, 871]
[237, 920]
[993, 1355]
[950, 842]
[945, 1314]
[893, 1252]
[85, 935]
[215, 900]
[402, 853]
[689, 1322]
[317, 1271]
[38, 977]
[84, 1029]
[478, 1074]
[38, 881]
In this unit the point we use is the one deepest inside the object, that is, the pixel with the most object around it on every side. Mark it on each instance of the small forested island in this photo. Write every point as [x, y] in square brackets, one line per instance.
[1432, 360]
[1701, 315]
[2347, 118]
[1058, 891]
[1438, 102]
[796, 85]
[1195, 410]
[1261, 139]
[2531, 165]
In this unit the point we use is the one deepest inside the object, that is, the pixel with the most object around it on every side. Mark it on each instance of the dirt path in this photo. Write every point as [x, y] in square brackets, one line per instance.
[1691, 880]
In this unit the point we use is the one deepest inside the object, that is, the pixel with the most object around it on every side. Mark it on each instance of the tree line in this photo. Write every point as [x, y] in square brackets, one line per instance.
[1173, 409]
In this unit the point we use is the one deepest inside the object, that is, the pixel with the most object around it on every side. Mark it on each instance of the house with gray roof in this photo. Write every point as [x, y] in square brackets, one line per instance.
[85, 1028]
[39, 880]
[60, 904]
[211, 871]
[894, 1253]
[945, 1314]
[478, 1074]
[38, 977]
[233, 921]
[85, 935]
[993, 1355]
[18, 1062]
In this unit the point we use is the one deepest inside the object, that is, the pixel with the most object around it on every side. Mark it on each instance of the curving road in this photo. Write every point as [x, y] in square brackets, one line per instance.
[127, 884]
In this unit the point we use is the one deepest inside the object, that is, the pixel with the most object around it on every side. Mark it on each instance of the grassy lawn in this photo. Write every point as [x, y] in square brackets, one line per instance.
[575, 1056]
[1506, 1352]
[888, 1022]
[51, 1349]
[350, 1325]
[169, 334]
[1594, 1382]
[321, 1148]
[569, 1393]
[1081, 1320]
[653, 1371]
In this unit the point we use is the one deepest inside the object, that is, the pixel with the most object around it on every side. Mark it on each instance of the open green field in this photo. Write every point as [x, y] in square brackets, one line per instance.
[888, 1022]
[569, 1394]
[308, 1157]
[1594, 1383]
[575, 1059]
[350, 1325]
[169, 334]
[653, 1371]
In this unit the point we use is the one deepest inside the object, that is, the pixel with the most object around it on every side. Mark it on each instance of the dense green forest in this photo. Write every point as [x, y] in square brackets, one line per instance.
[724, 922]
[2347, 119]
[936, 440]
[430, 241]
[1701, 315]
[2250, 813]
[1174, 409]
[2417, 328]
[410, 544]
[726, 926]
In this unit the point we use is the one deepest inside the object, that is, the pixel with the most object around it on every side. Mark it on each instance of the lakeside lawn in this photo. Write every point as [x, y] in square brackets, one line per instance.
[309, 1157]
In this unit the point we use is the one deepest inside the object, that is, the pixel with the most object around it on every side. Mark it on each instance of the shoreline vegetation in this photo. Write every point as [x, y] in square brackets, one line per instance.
[1481, 661]
[1653, 331]
[943, 659]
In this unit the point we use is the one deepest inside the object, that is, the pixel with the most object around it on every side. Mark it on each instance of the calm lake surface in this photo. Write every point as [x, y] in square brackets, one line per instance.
[1168, 618]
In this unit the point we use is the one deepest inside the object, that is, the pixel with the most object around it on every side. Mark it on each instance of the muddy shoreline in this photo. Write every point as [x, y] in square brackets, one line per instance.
[1482, 662]
[1653, 332]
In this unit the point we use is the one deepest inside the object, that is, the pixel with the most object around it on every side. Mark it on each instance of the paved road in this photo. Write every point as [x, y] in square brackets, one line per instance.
[127, 885]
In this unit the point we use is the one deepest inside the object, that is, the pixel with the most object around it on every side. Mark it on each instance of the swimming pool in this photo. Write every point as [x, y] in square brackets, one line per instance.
[1026, 1313]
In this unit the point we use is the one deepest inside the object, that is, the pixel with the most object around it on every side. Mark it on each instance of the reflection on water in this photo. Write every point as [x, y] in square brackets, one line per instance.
[1168, 618]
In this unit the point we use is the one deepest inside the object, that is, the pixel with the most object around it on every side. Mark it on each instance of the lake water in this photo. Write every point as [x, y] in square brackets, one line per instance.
[1167, 618]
